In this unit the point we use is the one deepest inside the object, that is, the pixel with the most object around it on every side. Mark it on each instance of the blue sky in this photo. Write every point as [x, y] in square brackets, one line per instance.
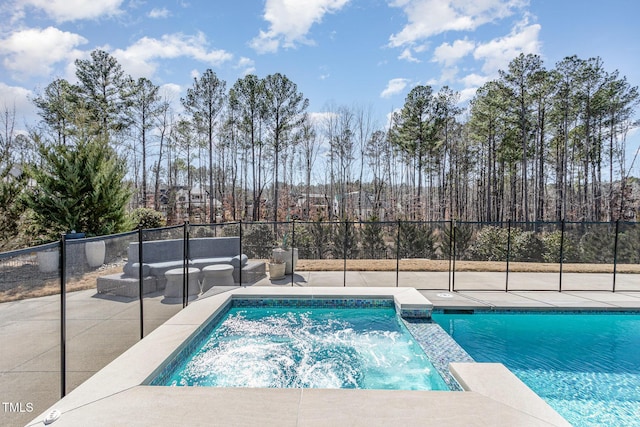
[364, 52]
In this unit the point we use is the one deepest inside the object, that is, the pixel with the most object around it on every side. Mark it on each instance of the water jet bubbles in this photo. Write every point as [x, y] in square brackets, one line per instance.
[326, 348]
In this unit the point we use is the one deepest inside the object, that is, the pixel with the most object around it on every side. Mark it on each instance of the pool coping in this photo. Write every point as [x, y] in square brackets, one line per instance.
[127, 374]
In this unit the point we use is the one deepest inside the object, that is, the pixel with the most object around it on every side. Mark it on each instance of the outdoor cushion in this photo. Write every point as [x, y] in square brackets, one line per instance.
[133, 269]
[214, 247]
[162, 255]
[159, 268]
[157, 251]
[239, 260]
[203, 262]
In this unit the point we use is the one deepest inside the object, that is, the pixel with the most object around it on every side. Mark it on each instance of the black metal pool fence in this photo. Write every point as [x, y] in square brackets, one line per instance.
[396, 249]
[398, 246]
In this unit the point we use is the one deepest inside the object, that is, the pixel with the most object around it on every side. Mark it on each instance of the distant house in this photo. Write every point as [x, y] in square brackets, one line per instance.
[181, 196]
[315, 206]
[356, 205]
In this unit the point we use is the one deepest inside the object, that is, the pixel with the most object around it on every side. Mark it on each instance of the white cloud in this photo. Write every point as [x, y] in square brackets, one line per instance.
[16, 98]
[170, 91]
[72, 10]
[407, 55]
[319, 118]
[394, 87]
[140, 58]
[265, 43]
[474, 80]
[290, 21]
[247, 65]
[156, 13]
[496, 55]
[449, 74]
[449, 54]
[427, 18]
[498, 52]
[34, 51]
[467, 94]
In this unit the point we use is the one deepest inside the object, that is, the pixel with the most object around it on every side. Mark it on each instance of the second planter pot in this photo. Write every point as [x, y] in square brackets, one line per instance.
[291, 260]
[276, 270]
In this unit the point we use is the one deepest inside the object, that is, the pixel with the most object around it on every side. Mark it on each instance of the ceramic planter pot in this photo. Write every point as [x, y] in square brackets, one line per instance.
[95, 252]
[279, 255]
[276, 270]
[291, 260]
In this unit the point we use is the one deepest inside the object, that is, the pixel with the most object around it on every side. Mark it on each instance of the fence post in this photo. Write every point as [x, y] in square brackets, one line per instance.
[453, 252]
[240, 235]
[344, 267]
[63, 316]
[140, 279]
[561, 254]
[450, 249]
[293, 244]
[185, 263]
[506, 286]
[615, 254]
[398, 255]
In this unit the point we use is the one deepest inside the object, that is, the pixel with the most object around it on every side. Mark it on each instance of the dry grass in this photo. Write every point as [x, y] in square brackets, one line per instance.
[443, 265]
[52, 286]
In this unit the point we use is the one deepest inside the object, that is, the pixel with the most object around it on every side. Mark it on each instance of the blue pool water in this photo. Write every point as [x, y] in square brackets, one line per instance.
[586, 366]
[292, 347]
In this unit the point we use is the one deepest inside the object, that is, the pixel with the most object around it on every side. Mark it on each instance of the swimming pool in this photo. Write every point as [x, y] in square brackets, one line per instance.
[305, 347]
[585, 365]
[492, 396]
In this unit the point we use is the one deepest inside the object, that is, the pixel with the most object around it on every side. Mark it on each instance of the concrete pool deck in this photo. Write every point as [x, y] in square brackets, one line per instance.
[492, 395]
[28, 376]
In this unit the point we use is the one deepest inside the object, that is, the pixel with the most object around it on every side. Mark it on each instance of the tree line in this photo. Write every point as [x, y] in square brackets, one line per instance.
[534, 144]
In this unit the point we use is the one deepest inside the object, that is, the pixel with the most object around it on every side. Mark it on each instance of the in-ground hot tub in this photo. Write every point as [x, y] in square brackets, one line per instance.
[304, 343]
[492, 395]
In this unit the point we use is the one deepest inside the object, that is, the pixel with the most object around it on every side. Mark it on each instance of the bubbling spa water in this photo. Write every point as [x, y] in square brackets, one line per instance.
[309, 348]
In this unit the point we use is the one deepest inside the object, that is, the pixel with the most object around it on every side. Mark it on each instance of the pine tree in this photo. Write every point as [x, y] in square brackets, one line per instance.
[247, 98]
[12, 184]
[460, 237]
[12, 178]
[285, 108]
[80, 188]
[321, 235]
[57, 106]
[345, 241]
[373, 246]
[416, 241]
[415, 133]
[146, 107]
[102, 86]
[204, 102]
